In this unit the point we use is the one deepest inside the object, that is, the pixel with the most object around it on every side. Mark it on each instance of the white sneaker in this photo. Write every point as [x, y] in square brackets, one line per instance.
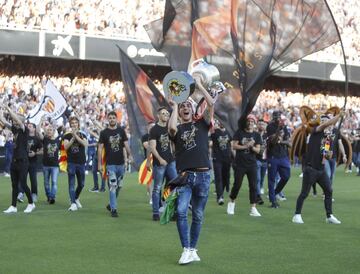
[20, 197]
[231, 208]
[194, 256]
[73, 207]
[77, 202]
[280, 198]
[150, 201]
[348, 171]
[7, 174]
[11, 209]
[185, 256]
[34, 197]
[301, 175]
[29, 208]
[332, 220]
[297, 219]
[262, 191]
[86, 172]
[254, 212]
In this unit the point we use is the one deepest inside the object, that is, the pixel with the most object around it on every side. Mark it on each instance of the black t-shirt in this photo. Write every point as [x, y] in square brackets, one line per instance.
[20, 143]
[34, 144]
[277, 150]
[76, 153]
[192, 145]
[163, 146]
[51, 152]
[145, 138]
[246, 157]
[221, 149]
[319, 146]
[113, 141]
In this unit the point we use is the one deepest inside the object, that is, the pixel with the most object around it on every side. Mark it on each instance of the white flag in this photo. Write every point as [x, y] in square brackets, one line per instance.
[52, 105]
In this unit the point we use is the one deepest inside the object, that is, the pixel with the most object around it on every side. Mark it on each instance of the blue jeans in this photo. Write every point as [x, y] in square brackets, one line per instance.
[77, 170]
[9, 151]
[95, 175]
[261, 170]
[196, 190]
[117, 172]
[281, 166]
[90, 158]
[53, 173]
[330, 167]
[159, 172]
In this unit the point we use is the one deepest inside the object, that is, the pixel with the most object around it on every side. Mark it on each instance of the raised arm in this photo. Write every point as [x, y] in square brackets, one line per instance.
[15, 118]
[172, 124]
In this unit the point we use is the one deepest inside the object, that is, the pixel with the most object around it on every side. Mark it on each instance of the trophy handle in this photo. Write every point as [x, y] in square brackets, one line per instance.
[194, 63]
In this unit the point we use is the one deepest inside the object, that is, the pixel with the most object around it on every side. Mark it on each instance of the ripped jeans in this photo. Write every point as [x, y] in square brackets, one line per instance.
[115, 181]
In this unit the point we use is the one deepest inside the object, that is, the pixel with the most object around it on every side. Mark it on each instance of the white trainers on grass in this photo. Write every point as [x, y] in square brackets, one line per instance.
[29, 208]
[254, 212]
[73, 207]
[231, 208]
[297, 219]
[77, 202]
[11, 209]
[194, 256]
[332, 220]
[185, 256]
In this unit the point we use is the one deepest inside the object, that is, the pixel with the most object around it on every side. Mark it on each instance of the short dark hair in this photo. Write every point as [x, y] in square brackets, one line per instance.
[74, 118]
[161, 108]
[113, 113]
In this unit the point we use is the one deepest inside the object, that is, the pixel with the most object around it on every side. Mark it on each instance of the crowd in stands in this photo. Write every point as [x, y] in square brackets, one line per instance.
[126, 19]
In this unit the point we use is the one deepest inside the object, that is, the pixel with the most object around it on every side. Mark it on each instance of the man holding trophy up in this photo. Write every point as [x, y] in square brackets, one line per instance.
[192, 154]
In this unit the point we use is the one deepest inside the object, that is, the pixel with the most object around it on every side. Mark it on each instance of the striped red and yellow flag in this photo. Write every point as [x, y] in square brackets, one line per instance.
[103, 164]
[145, 176]
[63, 157]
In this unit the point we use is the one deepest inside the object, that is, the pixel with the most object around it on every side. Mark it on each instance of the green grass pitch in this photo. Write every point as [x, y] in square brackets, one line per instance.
[53, 240]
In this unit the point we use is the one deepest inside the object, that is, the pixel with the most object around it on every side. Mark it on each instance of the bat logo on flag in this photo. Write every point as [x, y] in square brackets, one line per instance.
[48, 105]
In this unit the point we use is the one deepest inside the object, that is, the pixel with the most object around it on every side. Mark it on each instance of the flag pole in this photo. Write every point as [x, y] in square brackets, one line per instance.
[338, 134]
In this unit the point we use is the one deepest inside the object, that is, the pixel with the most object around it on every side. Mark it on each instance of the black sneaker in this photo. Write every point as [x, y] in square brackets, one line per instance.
[221, 201]
[51, 201]
[94, 189]
[108, 207]
[259, 201]
[156, 217]
[102, 190]
[274, 205]
[114, 213]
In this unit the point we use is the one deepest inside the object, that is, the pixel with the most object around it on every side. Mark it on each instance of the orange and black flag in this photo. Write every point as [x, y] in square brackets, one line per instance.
[247, 40]
[142, 101]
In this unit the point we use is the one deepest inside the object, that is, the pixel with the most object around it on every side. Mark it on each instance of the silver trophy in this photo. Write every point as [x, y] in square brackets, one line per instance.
[179, 85]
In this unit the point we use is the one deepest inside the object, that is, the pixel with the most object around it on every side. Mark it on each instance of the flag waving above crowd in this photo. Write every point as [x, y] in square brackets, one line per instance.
[247, 40]
[142, 101]
[52, 105]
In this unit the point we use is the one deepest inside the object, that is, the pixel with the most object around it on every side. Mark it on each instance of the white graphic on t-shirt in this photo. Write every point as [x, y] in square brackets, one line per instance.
[189, 138]
[51, 149]
[115, 142]
[245, 141]
[75, 148]
[164, 141]
[223, 142]
[30, 144]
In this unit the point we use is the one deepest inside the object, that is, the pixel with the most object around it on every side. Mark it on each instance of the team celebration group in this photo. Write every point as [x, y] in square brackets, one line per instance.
[180, 144]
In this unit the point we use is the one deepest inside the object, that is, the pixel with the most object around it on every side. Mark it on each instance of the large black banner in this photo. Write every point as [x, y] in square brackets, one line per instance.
[34, 43]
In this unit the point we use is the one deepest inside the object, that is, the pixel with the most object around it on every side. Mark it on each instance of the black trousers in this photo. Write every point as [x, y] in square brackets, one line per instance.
[222, 177]
[33, 178]
[251, 173]
[310, 177]
[18, 171]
